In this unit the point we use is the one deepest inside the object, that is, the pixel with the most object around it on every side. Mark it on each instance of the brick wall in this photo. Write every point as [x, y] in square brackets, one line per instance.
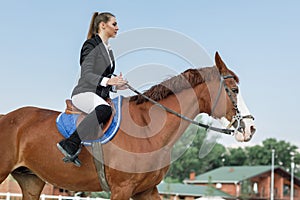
[263, 185]
[11, 185]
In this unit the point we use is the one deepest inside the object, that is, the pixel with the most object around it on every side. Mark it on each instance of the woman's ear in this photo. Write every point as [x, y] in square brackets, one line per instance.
[102, 25]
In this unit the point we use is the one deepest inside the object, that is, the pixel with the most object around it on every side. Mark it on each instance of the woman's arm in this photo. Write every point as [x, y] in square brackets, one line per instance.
[88, 58]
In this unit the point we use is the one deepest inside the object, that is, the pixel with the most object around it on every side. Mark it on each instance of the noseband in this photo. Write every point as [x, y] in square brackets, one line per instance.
[237, 119]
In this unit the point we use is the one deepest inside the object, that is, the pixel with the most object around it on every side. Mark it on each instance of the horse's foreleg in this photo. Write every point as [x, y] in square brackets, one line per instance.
[30, 184]
[151, 194]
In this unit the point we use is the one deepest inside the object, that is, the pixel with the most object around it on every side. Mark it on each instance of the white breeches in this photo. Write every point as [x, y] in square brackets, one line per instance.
[87, 101]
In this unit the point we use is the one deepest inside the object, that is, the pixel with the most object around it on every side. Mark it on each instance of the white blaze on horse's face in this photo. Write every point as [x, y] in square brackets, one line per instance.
[247, 124]
[249, 128]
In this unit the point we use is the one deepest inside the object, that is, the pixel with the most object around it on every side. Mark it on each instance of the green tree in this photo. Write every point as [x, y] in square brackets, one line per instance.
[193, 139]
[235, 157]
[191, 142]
[262, 155]
[259, 155]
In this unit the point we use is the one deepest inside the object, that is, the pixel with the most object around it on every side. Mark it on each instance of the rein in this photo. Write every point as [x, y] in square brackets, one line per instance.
[207, 127]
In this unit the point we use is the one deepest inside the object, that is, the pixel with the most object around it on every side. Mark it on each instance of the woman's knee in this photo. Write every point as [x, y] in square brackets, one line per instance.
[103, 113]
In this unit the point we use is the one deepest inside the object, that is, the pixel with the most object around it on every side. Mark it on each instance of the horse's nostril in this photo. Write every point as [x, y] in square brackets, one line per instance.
[241, 129]
[252, 129]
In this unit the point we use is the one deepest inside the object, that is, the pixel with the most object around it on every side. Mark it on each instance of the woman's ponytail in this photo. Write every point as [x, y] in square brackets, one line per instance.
[92, 32]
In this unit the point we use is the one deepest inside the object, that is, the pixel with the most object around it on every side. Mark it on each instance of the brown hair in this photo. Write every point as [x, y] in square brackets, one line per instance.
[95, 21]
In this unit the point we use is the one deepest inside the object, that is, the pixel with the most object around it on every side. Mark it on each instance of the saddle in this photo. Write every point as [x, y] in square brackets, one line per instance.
[73, 116]
[71, 109]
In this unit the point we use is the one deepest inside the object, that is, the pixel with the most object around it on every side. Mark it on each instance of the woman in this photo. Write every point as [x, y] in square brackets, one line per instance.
[95, 83]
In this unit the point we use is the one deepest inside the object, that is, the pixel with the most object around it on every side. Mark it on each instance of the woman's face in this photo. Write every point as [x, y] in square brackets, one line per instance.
[110, 28]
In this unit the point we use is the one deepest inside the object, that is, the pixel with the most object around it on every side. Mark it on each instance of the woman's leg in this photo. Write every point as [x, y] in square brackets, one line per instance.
[87, 101]
[99, 111]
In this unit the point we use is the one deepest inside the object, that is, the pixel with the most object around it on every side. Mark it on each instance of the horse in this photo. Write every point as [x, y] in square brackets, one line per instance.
[138, 157]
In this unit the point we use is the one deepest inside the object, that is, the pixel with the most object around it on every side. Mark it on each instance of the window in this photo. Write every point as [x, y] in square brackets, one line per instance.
[286, 190]
[255, 188]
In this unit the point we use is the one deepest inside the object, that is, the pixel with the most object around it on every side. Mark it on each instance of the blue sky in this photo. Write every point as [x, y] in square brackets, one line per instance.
[259, 40]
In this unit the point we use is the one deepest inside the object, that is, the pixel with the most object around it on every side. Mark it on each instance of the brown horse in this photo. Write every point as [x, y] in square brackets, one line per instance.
[138, 157]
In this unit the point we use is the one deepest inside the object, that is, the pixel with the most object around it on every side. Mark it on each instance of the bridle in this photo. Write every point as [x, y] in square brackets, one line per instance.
[237, 119]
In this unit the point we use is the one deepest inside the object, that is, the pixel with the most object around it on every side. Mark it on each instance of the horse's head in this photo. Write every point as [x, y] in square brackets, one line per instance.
[215, 88]
[228, 105]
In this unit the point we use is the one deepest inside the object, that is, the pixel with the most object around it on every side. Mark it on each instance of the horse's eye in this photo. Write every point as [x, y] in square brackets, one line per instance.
[235, 90]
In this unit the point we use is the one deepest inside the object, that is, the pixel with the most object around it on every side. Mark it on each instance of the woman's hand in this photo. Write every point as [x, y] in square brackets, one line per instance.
[122, 87]
[118, 81]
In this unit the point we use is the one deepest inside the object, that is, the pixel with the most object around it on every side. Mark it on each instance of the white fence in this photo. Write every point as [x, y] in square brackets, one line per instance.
[44, 197]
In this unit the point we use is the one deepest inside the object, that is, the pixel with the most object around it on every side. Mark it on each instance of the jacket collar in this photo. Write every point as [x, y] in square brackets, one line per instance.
[98, 39]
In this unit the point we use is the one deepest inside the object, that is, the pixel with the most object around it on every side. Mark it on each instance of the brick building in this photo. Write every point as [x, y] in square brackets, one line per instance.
[11, 185]
[253, 182]
[176, 191]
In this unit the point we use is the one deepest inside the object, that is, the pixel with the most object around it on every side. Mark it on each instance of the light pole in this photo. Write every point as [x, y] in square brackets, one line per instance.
[272, 175]
[292, 175]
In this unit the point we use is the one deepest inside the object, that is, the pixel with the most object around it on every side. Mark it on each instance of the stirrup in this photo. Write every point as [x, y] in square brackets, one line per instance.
[71, 158]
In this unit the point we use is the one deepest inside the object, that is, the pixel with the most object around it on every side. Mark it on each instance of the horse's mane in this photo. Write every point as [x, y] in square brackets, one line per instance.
[187, 79]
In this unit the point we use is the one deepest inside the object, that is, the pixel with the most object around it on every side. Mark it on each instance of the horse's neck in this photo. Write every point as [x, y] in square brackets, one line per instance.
[187, 104]
[158, 126]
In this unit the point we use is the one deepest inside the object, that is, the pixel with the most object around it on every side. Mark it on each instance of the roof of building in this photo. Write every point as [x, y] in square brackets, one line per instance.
[189, 190]
[235, 174]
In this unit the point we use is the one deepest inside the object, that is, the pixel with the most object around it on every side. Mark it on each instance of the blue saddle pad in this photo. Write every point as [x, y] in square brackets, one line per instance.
[66, 124]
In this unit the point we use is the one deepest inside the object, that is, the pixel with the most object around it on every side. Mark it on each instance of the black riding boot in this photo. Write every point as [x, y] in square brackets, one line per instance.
[88, 129]
[70, 147]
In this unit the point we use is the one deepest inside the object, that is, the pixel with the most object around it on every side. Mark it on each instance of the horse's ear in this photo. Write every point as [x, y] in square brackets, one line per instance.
[220, 64]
